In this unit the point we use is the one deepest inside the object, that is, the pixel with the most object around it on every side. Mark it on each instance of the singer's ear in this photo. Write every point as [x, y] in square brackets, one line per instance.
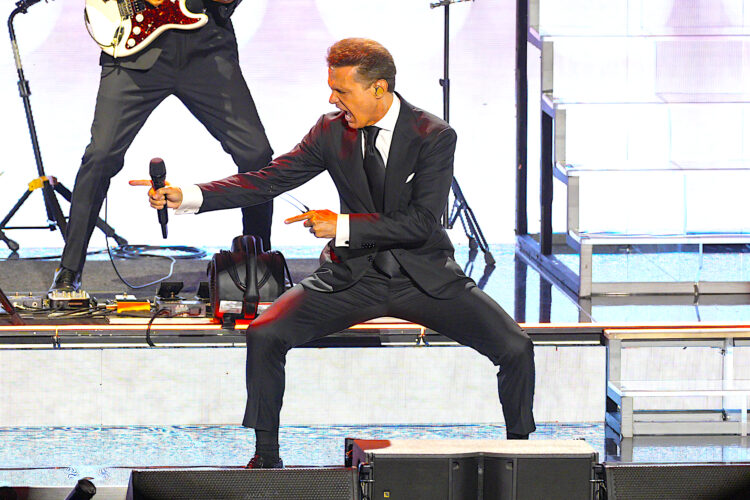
[380, 87]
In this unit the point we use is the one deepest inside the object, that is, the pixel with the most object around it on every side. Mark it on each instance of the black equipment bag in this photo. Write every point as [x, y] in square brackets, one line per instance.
[241, 278]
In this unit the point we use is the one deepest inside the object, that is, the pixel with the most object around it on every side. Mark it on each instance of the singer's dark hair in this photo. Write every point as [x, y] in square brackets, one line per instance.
[373, 61]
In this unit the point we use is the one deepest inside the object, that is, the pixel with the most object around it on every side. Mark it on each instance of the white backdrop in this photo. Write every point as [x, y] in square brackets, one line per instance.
[282, 50]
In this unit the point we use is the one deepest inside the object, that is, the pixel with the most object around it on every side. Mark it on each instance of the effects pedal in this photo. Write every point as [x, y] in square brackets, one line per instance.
[28, 302]
[167, 298]
[181, 307]
[127, 304]
[69, 300]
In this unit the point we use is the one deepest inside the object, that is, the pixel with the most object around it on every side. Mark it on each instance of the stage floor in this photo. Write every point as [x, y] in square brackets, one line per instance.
[518, 288]
[59, 456]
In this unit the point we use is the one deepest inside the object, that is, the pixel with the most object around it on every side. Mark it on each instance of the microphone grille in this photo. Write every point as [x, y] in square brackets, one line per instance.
[157, 168]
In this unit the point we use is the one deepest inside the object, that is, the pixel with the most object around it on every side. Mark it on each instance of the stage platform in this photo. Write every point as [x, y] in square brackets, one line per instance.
[87, 397]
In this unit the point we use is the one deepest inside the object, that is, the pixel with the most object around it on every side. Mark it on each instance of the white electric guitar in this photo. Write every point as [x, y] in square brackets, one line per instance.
[124, 27]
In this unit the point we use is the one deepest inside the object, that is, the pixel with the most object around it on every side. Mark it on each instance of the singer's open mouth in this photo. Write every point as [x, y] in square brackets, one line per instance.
[347, 114]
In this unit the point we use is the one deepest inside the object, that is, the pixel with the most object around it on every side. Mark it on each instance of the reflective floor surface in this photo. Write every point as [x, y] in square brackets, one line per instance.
[58, 456]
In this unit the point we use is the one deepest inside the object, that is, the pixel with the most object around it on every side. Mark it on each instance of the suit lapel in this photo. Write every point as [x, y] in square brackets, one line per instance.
[401, 157]
[351, 164]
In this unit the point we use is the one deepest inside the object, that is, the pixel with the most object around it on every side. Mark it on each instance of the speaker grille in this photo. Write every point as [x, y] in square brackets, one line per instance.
[261, 484]
[677, 481]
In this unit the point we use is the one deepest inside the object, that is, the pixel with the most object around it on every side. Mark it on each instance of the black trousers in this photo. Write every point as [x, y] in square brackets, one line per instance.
[210, 84]
[472, 318]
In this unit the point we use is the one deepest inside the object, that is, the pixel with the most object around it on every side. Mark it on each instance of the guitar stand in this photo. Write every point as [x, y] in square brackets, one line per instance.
[460, 207]
[49, 185]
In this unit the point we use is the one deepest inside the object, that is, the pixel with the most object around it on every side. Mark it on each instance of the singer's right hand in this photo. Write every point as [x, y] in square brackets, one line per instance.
[157, 199]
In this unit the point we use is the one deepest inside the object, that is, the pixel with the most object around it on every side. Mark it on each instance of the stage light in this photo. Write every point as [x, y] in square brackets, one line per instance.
[84, 490]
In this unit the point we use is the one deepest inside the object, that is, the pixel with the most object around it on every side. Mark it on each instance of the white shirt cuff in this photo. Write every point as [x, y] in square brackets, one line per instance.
[342, 231]
[192, 199]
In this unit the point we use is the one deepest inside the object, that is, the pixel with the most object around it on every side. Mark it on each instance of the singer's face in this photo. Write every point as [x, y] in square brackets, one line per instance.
[357, 100]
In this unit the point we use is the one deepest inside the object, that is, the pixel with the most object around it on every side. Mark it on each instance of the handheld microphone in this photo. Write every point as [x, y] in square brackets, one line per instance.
[158, 173]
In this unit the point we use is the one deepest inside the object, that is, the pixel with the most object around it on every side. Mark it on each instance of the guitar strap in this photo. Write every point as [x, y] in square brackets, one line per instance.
[221, 11]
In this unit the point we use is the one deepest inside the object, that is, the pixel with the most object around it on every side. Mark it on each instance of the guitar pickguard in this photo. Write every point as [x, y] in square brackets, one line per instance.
[146, 21]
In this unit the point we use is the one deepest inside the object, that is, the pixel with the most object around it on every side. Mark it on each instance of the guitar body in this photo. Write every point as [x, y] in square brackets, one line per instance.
[125, 27]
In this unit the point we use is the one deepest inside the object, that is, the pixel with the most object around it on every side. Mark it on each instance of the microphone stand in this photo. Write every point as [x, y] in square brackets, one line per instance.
[460, 207]
[49, 185]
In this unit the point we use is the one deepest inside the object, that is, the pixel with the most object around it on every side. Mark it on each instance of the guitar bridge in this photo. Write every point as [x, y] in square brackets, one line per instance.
[129, 8]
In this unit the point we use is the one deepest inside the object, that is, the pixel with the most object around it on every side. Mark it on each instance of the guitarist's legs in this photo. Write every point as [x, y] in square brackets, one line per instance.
[213, 89]
[125, 100]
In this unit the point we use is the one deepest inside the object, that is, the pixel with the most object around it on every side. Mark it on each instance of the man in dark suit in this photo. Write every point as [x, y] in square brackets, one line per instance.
[200, 67]
[392, 164]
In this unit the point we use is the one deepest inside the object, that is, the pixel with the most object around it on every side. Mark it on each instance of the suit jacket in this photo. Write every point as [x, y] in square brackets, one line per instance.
[417, 183]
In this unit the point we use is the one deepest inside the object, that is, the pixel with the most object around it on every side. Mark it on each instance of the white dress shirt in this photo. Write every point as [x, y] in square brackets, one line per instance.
[383, 145]
[192, 197]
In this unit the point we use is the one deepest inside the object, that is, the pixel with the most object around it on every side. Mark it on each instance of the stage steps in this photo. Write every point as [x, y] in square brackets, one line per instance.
[648, 150]
[731, 392]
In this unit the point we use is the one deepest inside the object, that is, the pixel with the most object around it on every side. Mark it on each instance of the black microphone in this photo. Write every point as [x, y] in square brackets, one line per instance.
[158, 175]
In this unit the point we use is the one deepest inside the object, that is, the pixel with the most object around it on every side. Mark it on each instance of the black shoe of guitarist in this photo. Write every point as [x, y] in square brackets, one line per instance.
[65, 281]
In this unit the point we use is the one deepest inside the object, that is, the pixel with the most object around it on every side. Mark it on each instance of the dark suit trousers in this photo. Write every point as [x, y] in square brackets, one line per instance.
[210, 84]
[471, 318]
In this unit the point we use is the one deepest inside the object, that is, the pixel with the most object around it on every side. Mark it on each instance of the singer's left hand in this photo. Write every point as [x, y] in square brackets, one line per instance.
[322, 223]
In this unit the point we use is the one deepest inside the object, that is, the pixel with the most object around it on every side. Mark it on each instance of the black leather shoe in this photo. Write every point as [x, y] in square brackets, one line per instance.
[513, 435]
[65, 281]
[257, 462]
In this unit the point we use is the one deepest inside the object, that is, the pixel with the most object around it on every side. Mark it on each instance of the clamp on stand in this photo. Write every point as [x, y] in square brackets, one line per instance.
[48, 185]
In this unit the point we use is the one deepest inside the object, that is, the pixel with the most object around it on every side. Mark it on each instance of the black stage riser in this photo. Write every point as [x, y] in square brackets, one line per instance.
[487, 478]
[459, 478]
[263, 484]
[720, 481]
[474, 470]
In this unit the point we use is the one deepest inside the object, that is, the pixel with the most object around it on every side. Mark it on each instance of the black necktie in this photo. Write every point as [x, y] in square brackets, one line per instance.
[374, 167]
[375, 170]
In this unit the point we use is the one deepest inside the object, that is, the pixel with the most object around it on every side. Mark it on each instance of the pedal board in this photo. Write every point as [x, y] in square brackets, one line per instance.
[69, 300]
